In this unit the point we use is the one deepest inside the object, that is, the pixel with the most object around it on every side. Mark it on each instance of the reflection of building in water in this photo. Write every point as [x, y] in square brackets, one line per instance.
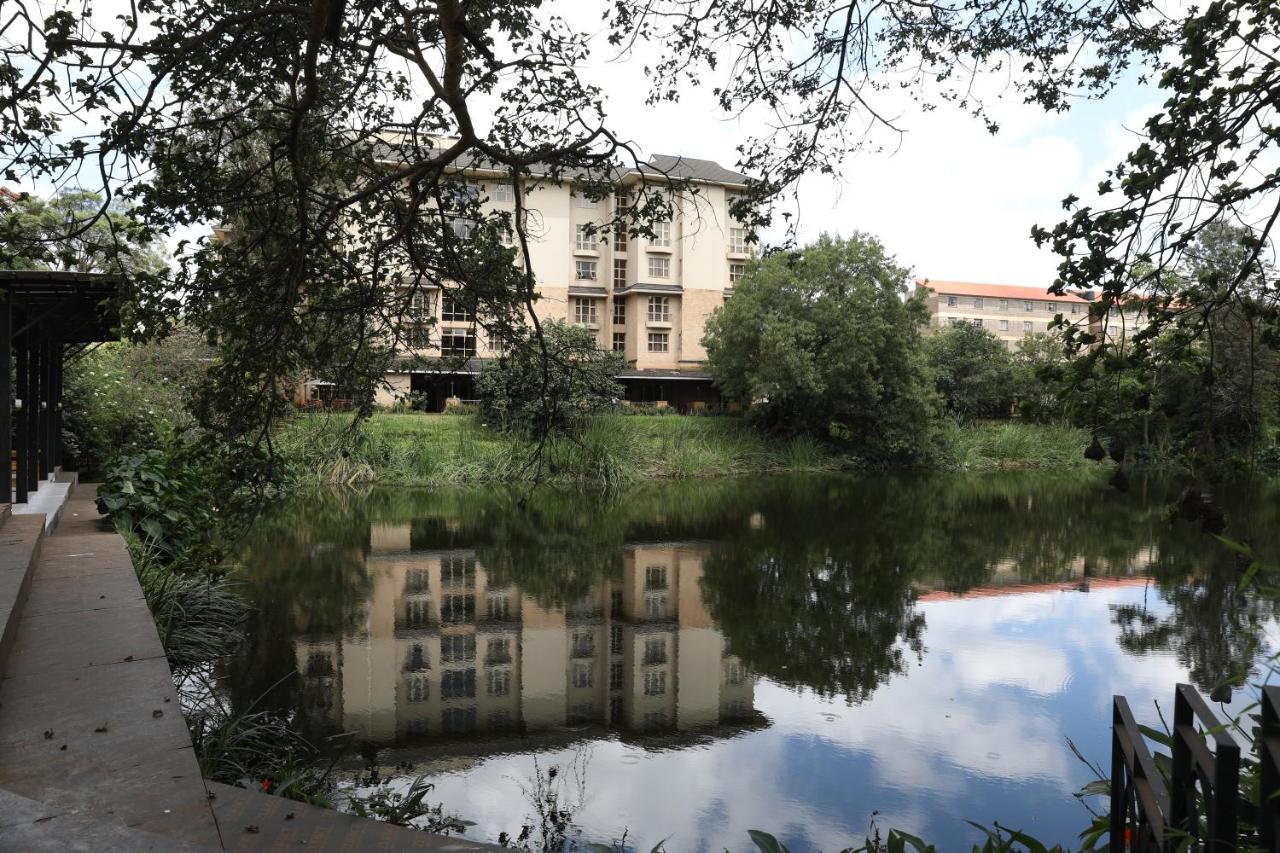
[445, 650]
[1015, 575]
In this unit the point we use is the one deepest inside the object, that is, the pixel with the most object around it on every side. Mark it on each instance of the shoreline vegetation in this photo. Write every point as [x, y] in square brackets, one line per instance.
[620, 449]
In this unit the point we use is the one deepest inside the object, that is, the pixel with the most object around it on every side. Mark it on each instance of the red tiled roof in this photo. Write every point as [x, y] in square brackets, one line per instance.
[995, 291]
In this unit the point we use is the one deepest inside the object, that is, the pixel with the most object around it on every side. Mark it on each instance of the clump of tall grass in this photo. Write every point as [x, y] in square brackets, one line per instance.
[1013, 444]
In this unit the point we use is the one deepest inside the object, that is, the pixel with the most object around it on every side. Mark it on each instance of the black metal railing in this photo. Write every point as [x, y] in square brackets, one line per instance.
[1197, 803]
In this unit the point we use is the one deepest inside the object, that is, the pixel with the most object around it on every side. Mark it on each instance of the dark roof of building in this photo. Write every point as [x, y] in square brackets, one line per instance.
[676, 167]
[69, 307]
[665, 373]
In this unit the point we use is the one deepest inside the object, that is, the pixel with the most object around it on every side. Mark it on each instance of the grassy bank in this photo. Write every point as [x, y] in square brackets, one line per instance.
[416, 449]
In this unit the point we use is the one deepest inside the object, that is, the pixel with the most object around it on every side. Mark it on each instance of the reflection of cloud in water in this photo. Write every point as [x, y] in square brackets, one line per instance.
[976, 731]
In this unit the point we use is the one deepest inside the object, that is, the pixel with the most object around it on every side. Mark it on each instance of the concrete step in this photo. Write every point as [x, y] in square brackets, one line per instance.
[21, 537]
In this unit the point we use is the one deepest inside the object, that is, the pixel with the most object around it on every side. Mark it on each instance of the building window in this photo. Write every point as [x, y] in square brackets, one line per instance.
[458, 684]
[458, 608]
[460, 227]
[583, 674]
[619, 312]
[1049, 306]
[417, 689]
[418, 337]
[587, 203]
[1004, 304]
[655, 577]
[585, 241]
[659, 342]
[1026, 326]
[1075, 309]
[458, 573]
[952, 301]
[586, 270]
[584, 644]
[451, 311]
[659, 309]
[619, 341]
[418, 659]
[738, 241]
[422, 305]
[458, 648]
[977, 322]
[662, 235]
[659, 267]
[584, 311]
[498, 650]
[1004, 325]
[503, 192]
[655, 682]
[458, 342]
[454, 720]
[736, 272]
[1028, 305]
[499, 682]
[977, 302]
[655, 650]
[619, 273]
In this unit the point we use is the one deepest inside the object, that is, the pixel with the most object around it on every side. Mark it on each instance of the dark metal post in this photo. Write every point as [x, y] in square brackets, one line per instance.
[21, 436]
[46, 410]
[1269, 752]
[1223, 829]
[1118, 781]
[33, 414]
[58, 352]
[6, 394]
[1181, 782]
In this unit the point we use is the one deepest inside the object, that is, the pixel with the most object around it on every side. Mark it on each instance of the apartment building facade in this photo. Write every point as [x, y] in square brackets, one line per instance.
[646, 297]
[1008, 312]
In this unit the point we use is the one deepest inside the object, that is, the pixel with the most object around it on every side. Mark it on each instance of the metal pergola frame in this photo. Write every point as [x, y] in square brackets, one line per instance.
[46, 317]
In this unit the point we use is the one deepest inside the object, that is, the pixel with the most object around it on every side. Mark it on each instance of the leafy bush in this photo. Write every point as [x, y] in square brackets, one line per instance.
[972, 371]
[549, 386]
[158, 497]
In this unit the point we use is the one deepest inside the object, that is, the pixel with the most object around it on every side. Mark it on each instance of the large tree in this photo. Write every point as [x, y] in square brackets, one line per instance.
[826, 341]
[972, 371]
[274, 118]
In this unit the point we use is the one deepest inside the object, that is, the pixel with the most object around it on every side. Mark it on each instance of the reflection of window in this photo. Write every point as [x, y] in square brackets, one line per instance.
[655, 605]
[584, 644]
[583, 712]
[499, 606]
[415, 581]
[655, 650]
[453, 720]
[733, 672]
[457, 648]
[458, 573]
[418, 659]
[417, 613]
[499, 682]
[733, 709]
[458, 608]
[417, 689]
[615, 675]
[500, 719]
[655, 682]
[498, 651]
[655, 577]
[615, 602]
[583, 674]
[319, 665]
[615, 710]
[655, 720]
[458, 683]
[615, 639]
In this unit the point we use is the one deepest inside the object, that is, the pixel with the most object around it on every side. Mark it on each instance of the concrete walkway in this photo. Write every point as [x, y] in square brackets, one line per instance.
[94, 753]
[90, 727]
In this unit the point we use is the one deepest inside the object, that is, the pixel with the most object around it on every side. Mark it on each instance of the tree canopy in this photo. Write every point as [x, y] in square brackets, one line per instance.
[825, 341]
[972, 371]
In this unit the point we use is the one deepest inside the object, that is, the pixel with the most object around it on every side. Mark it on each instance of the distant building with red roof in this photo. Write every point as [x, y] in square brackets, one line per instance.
[1010, 312]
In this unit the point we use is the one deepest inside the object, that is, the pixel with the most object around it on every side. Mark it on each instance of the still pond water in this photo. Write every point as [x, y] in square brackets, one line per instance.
[793, 654]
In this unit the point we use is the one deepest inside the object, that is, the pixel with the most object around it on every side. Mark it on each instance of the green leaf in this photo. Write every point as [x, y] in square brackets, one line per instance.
[1156, 735]
[766, 843]
[152, 528]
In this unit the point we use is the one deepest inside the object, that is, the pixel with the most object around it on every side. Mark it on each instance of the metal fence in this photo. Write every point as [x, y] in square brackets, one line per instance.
[1190, 799]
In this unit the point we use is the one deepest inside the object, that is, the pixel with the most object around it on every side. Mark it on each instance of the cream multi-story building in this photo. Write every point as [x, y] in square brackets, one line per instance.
[648, 298]
[442, 650]
[1008, 312]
